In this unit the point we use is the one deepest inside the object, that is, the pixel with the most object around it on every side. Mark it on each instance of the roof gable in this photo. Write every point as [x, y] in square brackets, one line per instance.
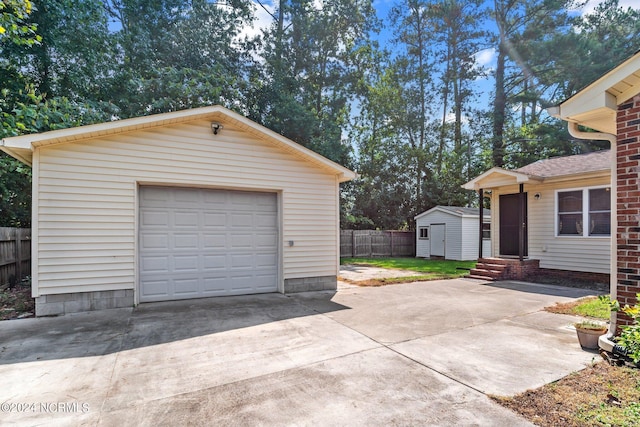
[21, 147]
[595, 106]
[496, 177]
[544, 170]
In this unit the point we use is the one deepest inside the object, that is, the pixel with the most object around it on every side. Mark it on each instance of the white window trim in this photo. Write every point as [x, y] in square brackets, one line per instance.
[490, 231]
[420, 233]
[585, 212]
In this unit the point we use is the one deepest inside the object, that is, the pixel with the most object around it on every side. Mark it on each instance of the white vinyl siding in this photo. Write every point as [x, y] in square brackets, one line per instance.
[461, 240]
[573, 253]
[87, 200]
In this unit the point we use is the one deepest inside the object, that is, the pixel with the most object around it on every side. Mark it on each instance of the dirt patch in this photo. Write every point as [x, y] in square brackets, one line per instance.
[390, 280]
[16, 302]
[600, 395]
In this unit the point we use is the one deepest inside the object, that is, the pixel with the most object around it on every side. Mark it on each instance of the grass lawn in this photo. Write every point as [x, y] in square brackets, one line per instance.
[587, 307]
[425, 269]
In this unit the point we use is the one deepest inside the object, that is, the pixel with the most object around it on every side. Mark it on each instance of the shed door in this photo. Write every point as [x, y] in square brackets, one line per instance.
[437, 240]
[200, 243]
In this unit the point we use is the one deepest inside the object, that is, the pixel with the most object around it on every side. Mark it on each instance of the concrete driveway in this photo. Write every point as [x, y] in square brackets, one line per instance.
[413, 354]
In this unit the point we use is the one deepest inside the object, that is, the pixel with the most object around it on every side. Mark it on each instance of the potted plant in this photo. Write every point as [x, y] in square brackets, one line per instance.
[588, 333]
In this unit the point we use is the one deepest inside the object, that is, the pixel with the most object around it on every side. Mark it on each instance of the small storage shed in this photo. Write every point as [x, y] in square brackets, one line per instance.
[188, 204]
[452, 232]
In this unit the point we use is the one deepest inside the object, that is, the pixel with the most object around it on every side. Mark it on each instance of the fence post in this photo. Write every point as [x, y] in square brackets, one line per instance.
[353, 243]
[392, 234]
[18, 253]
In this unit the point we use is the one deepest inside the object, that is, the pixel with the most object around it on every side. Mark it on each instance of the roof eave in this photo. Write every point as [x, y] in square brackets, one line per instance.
[25, 156]
[596, 105]
[519, 178]
[21, 146]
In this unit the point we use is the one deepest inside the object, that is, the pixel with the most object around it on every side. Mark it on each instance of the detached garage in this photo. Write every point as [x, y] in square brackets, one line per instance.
[189, 204]
[450, 232]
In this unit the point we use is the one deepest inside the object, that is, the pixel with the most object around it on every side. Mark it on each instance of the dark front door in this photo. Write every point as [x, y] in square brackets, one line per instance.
[510, 224]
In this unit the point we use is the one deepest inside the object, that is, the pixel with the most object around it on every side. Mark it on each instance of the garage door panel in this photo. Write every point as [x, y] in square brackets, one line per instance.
[154, 241]
[241, 262]
[201, 242]
[264, 261]
[187, 195]
[186, 287]
[185, 263]
[186, 219]
[214, 283]
[243, 220]
[215, 262]
[185, 241]
[267, 220]
[266, 241]
[215, 241]
[214, 220]
[156, 264]
[154, 218]
[215, 198]
[241, 241]
[156, 288]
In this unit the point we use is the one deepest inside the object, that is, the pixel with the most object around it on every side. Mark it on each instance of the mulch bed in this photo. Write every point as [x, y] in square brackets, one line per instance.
[16, 302]
[600, 395]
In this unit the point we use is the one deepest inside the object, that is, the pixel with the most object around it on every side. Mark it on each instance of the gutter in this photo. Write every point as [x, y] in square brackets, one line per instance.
[605, 341]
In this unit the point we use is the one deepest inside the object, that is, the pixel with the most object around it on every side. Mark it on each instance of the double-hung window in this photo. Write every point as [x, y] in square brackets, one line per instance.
[584, 212]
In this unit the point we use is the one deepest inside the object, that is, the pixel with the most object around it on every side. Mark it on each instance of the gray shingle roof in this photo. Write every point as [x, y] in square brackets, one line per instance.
[569, 165]
[464, 211]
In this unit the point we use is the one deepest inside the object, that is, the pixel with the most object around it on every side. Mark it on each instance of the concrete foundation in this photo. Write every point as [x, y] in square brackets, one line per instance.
[305, 284]
[54, 305]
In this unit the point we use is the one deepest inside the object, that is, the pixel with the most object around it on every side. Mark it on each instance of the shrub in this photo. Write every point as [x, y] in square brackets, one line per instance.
[630, 334]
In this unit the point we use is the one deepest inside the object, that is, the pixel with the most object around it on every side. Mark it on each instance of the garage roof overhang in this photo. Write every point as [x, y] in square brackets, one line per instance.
[21, 147]
[596, 105]
[498, 177]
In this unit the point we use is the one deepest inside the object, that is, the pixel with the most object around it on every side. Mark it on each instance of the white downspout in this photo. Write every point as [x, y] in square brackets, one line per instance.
[613, 289]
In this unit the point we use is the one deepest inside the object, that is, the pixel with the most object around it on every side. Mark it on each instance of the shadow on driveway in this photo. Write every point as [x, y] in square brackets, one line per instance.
[542, 289]
[109, 331]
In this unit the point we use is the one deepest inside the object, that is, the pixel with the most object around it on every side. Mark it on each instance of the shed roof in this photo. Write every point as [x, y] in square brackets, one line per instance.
[545, 169]
[21, 147]
[457, 211]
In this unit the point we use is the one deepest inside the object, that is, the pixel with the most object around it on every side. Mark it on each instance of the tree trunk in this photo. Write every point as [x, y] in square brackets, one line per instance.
[499, 106]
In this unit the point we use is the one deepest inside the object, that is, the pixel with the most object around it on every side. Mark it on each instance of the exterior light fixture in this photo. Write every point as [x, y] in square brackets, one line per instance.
[216, 127]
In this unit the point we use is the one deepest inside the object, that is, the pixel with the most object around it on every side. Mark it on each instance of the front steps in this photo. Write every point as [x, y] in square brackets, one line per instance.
[492, 269]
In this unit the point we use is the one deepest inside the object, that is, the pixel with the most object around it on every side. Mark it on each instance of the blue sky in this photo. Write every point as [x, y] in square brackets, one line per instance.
[485, 58]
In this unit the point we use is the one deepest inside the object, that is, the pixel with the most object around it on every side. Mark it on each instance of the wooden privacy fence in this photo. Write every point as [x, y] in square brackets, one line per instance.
[374, 243]
[15, 255]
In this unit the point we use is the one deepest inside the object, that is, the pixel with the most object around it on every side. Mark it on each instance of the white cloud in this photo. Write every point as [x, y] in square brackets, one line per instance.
[592, 4]
[451, 118]
[262, 20]
[485, 61]
[485, 57]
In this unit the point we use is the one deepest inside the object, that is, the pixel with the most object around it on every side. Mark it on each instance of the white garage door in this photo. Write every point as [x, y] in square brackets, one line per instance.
[199, 243]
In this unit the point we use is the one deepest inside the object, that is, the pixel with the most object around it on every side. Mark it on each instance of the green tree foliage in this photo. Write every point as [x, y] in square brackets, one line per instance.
[176, 54]
[303, 85]
[408, 120]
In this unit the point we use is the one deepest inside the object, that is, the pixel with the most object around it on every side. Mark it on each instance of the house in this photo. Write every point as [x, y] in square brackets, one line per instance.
[188, 204]
[551, 216]
[451, 232]
[611, 106]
